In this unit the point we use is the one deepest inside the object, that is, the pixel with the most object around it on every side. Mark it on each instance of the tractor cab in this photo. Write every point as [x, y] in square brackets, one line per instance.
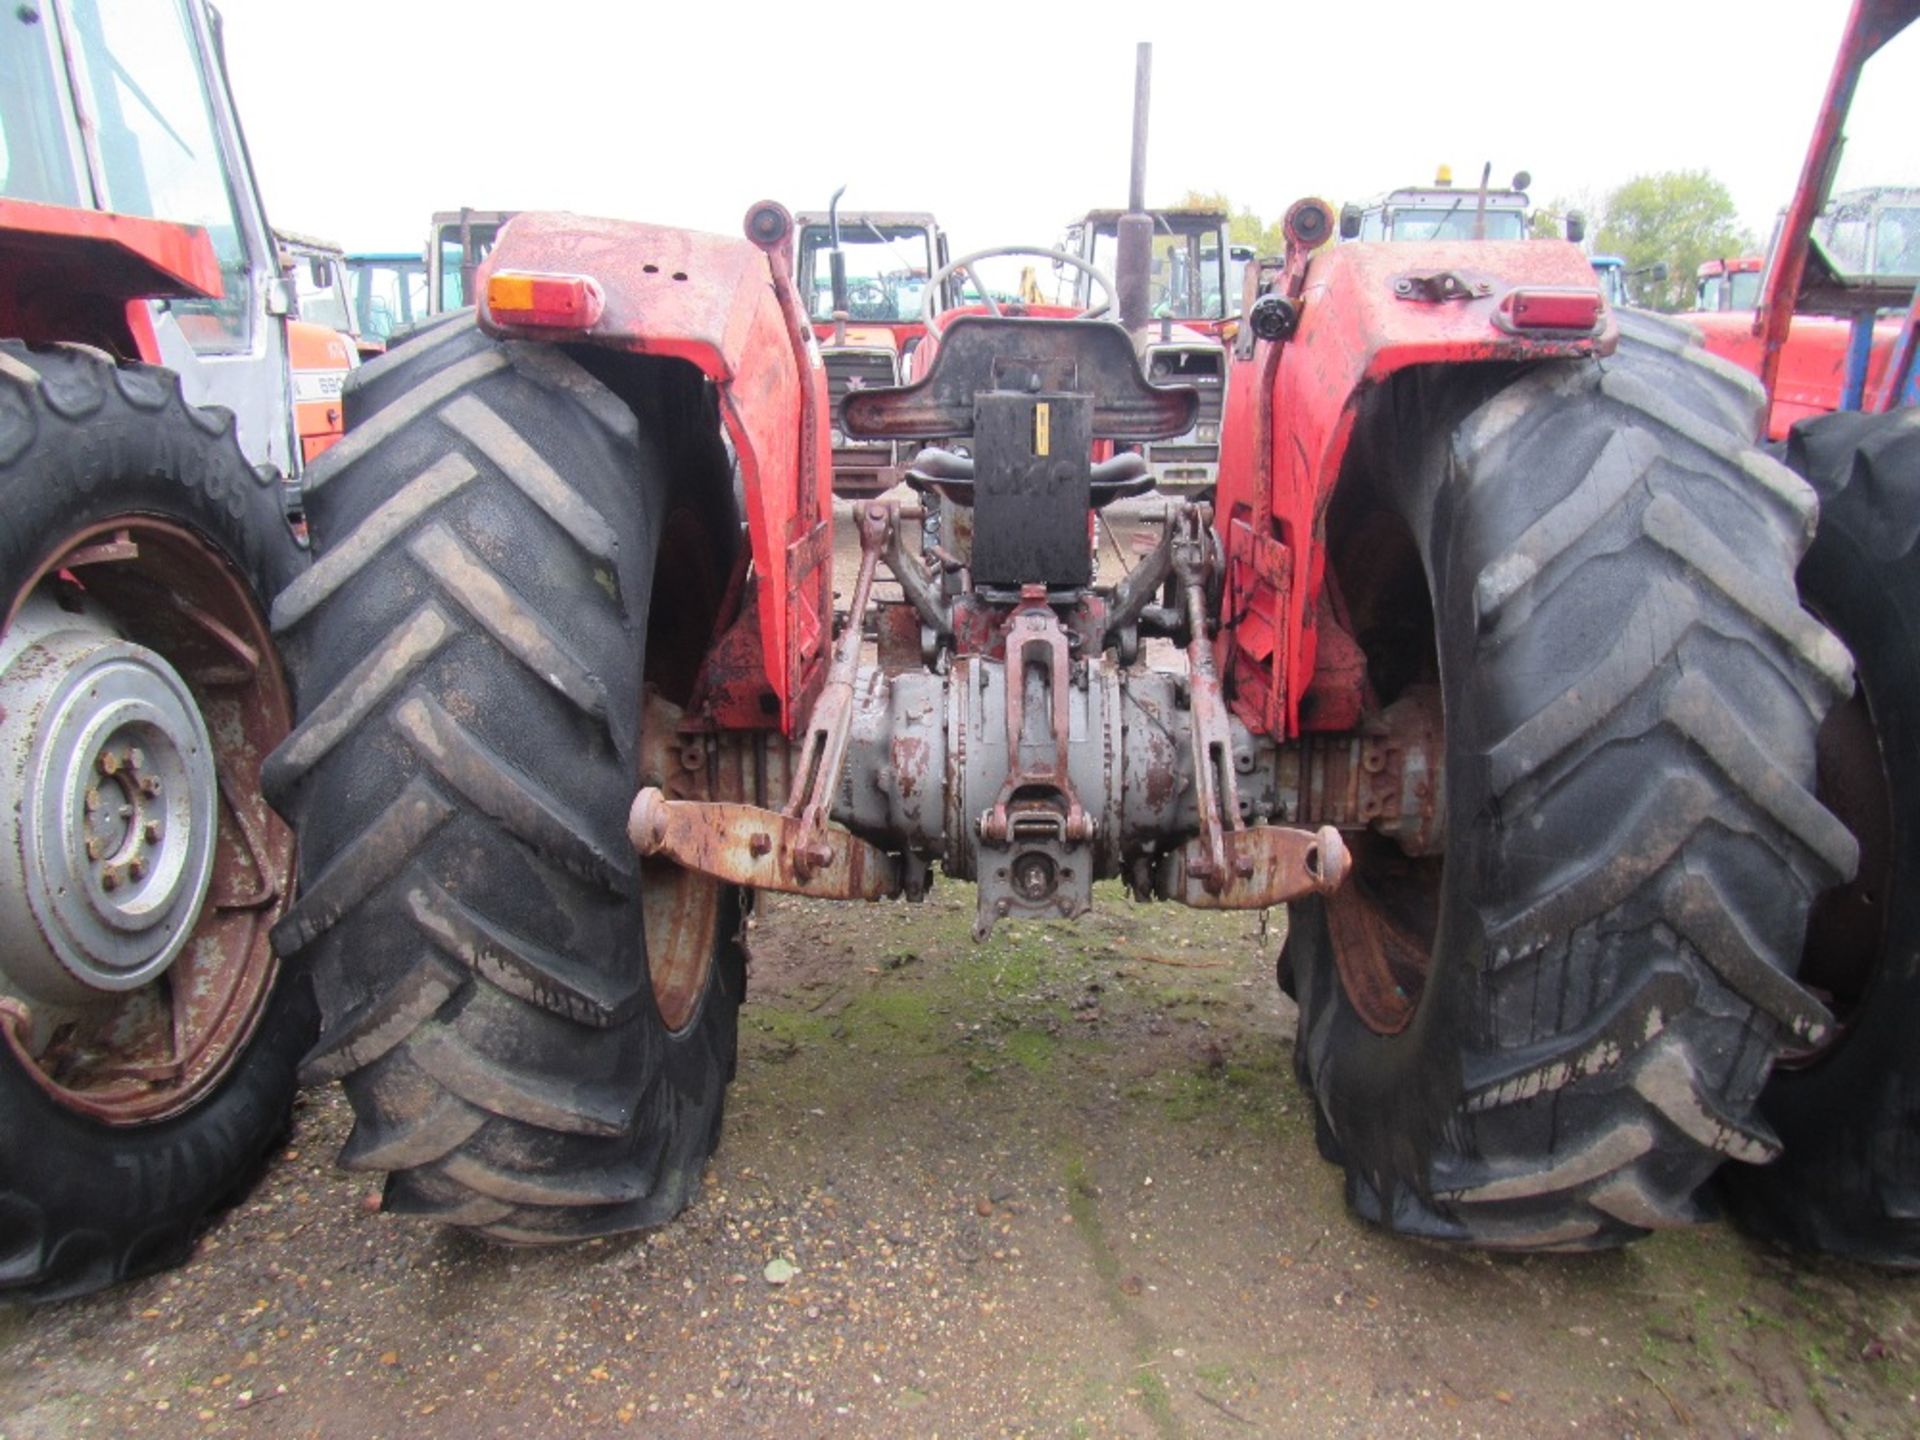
[79, 204]
[1194, 287]
[1728, 284]
[457, 241]
[1442, 211]
[388, 292]
[886, 260]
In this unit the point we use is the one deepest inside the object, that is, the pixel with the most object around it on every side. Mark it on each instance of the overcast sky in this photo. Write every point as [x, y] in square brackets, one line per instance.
[365, 115]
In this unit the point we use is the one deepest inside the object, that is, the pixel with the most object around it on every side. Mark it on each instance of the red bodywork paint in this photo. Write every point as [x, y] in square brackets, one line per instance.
[722, 305]
[1291, 407]
[74, 274]
[1810, 374]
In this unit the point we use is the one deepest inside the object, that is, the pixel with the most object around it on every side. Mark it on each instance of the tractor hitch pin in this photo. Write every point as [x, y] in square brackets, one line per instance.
[795, 849]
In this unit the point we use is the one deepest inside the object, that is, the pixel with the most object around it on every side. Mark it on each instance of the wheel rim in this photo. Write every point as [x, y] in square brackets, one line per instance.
[1382, 959]
[141, 868]
[680, 910]
[1847, 927]
[1383, 922]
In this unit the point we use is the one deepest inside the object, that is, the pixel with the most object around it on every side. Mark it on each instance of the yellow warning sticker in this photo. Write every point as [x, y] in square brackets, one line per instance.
[1042, 428]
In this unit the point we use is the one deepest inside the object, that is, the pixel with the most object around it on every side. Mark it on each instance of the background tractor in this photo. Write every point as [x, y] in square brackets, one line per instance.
[1195, 279]
[1859, 259]
[323, 340]
[1486, 658]
[1439, 212]
[863, 278]
[148, 1032]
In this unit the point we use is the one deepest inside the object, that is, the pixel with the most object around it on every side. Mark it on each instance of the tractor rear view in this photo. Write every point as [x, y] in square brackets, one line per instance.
[148, 1032]
[1493, 669]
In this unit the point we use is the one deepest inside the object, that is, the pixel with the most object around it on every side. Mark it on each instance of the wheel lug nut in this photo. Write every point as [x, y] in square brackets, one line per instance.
[149, 784]
[110, 879]
[136, 758]
[152, 831]
[137, 868]
[93, 798]
[109, 762]
[94, 847]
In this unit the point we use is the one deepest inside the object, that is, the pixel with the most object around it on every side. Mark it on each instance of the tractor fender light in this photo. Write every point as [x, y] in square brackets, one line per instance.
[1549, 308]
[554, 302]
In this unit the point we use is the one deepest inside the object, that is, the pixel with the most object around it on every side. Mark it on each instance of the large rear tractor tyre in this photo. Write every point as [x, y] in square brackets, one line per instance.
[535, 1031]
[1849, 1112]
[1548, 1035]
[148, 1035]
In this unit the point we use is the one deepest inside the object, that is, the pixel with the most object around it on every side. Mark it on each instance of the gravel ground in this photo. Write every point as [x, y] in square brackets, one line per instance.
[1060, 1184]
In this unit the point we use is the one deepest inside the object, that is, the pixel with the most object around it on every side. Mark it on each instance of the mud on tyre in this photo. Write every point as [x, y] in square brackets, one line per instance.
[534, 1031]
[1549, 1037]
[148, 1036]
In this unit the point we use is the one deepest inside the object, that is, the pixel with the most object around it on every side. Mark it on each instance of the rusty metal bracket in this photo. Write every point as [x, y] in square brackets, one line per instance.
[1265, 865]
[746, 845]
[796, 849]
[1216, 791]
[823, 745]
[1440, 285]
[1033, 629]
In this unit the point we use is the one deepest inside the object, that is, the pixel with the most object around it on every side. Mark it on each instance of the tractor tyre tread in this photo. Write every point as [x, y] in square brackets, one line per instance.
[469, 650]
[1634, 699]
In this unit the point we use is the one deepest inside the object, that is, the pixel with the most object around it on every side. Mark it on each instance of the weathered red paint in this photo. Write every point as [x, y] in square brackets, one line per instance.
[1289, 418]
[722, 305]
[1810, 367]
[74, 274]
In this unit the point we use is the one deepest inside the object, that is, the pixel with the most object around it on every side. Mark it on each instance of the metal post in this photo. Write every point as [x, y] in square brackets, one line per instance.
[1134, 257]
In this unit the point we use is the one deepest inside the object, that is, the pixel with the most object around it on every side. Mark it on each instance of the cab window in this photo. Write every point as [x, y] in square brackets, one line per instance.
[160, 154]
[37, 140]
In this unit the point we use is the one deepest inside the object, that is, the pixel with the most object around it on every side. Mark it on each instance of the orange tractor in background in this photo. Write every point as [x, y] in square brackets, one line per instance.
[323, 343]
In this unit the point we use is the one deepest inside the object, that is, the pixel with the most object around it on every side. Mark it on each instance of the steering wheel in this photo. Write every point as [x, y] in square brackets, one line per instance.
[930, 318]
[868, 300]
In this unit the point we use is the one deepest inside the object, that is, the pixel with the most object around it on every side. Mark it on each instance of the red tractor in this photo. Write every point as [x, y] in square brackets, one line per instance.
[1494, 671]
[148, 1032]
[863, 280]
[1840, 346]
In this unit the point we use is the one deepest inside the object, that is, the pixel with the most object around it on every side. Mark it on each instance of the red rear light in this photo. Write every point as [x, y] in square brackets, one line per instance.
[1540, 307]
[558, 302]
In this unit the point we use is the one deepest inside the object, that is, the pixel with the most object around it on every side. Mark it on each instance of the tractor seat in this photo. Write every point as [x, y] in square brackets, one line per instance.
[951, 475]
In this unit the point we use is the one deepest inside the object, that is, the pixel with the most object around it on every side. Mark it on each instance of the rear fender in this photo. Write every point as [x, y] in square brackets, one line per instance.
[726, 307]
[72, 274]
[1291, 407]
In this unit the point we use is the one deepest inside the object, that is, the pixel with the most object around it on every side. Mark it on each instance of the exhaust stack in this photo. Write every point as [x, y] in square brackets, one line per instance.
[1134, 258]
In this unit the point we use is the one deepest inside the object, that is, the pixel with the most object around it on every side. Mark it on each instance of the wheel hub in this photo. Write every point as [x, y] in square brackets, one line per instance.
[107, 853]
